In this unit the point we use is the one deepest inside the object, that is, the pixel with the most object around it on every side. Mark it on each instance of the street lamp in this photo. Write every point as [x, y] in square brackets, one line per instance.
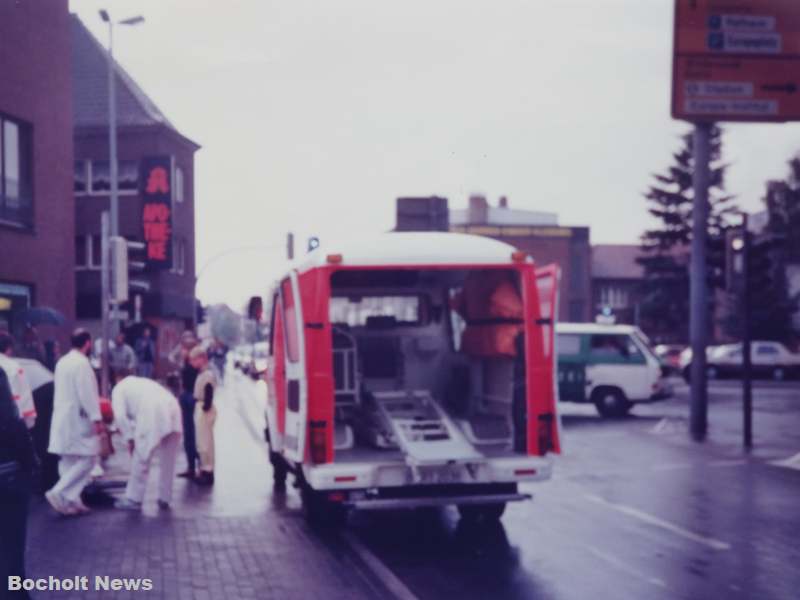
[112, 115]
[110, 229]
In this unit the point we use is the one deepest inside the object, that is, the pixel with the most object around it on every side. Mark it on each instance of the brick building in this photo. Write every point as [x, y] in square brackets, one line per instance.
[617, 281]
[540, 235]
[37, 213]
[164, 298]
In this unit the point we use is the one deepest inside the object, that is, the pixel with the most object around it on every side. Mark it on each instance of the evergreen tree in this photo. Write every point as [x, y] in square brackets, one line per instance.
[666, 248]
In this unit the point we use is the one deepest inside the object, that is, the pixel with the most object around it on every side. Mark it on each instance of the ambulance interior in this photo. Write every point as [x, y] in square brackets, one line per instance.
[428, 364]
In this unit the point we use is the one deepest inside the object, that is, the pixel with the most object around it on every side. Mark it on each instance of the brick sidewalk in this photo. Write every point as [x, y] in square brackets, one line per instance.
[239, 540]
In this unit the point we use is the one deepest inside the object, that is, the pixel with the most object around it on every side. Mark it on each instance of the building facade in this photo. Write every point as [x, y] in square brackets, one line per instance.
[617, 282]
[37, 214]
[163, 298]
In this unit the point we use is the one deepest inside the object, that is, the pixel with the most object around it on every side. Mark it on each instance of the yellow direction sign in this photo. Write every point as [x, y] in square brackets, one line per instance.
[736, 60]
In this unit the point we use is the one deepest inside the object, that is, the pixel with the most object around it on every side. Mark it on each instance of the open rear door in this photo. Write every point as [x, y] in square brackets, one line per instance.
[294, 440]
[548, 279]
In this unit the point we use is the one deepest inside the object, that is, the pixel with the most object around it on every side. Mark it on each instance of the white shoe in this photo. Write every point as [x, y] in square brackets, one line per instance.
[127, 504]
[80, 507]
[56, 501]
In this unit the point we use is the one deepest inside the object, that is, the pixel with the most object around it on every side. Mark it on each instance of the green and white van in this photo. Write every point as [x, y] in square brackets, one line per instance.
[609, 365]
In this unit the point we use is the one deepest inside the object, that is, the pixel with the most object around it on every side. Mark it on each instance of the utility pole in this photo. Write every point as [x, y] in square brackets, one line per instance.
[747, 378]
[698, 283]
[105, 286]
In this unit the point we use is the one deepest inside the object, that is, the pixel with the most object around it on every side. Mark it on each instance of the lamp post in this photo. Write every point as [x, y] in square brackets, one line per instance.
[110, 222]
[112, 116]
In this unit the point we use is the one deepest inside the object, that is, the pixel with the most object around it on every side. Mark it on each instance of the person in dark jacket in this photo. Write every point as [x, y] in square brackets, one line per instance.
[17, 464]
[180, 357]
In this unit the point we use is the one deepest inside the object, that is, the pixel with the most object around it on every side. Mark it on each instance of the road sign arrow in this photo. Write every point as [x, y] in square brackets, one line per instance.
[789, 88]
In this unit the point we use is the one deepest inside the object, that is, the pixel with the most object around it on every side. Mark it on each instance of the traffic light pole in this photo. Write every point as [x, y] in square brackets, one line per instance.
[698, 283]
[747, 381]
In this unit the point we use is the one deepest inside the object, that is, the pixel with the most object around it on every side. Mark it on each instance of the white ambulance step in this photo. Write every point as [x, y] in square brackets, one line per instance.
[422, 430]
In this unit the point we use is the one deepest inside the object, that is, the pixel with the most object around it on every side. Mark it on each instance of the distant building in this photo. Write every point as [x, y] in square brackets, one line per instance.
[37, 214]
[163, 298]
[537, 233]
[616, 281]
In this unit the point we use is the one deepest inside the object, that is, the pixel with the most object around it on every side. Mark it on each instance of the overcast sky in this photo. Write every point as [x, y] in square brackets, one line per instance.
[314, 116]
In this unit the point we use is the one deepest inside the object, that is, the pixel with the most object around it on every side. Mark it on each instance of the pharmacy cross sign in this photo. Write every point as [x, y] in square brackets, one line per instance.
[156, 192]
[736, 60]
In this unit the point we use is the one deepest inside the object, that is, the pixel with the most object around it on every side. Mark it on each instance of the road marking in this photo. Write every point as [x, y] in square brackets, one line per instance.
[381, 571]
[793, 462]
[727, 463]
[652, 520]
[624, 566]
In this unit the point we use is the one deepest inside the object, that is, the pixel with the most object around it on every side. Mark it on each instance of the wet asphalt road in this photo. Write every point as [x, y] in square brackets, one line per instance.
[635, 510]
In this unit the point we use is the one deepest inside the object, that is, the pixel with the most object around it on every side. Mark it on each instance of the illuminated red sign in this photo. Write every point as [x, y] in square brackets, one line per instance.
[156, 193]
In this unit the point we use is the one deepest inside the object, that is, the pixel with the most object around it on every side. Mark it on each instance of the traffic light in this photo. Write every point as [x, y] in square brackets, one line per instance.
[734, 259]
[137, 264]
[118, 250]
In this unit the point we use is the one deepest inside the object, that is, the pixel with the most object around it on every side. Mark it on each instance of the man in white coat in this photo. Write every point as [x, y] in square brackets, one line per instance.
[76, 425]
[20, 387]
[149, 418]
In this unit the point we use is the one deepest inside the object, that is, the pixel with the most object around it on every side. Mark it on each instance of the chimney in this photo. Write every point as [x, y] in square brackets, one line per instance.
[478, 211]
[503, 203]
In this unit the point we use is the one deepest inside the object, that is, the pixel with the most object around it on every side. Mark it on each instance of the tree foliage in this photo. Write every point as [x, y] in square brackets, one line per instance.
[774, 250]
[666, 247]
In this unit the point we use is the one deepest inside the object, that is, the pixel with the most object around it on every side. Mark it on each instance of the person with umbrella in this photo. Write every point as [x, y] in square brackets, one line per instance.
[17, 463]
[20, 386]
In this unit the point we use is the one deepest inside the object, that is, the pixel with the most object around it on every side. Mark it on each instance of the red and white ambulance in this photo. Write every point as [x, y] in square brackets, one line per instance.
[412, 369]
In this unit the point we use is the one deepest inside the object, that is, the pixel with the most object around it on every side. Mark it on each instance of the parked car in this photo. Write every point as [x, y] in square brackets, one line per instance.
[611, 366]
[670, 357]
[769, 359]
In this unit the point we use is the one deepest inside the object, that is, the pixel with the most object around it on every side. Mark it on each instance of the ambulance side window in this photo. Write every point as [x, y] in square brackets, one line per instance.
[272, 324]
[290, 322]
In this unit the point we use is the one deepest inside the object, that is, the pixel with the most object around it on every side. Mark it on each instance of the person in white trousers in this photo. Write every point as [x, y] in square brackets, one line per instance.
[149, 418]
[76, 425]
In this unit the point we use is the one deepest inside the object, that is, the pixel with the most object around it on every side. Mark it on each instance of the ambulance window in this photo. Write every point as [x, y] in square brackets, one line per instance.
[568, 344]
[290, 322]
[272, 324]
[373, 311]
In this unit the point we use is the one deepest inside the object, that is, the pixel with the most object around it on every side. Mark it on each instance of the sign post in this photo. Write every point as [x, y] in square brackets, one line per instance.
[732, 61]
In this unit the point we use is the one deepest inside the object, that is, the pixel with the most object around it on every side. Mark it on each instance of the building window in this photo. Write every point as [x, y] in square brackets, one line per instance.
[81, 252]
[614, 296]
[178, 184]
[16, 173]
[94, 177]
[13, 297]
[81, 177]
[88, 252]
[178, 256]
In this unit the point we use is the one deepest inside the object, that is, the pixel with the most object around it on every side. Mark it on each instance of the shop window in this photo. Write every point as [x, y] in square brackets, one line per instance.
[16, 173]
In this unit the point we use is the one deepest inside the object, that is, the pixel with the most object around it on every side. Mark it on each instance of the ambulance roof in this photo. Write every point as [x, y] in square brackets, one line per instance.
[412, 248]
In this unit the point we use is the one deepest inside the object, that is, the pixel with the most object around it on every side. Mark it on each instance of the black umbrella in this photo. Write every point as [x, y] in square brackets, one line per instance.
[41, 315]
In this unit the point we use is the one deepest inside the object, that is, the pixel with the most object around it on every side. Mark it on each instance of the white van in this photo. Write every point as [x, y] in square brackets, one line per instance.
[612, 366]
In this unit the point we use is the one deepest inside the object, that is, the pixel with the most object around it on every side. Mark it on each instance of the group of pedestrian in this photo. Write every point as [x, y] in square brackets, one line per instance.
[139, 358]
[150, 417]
